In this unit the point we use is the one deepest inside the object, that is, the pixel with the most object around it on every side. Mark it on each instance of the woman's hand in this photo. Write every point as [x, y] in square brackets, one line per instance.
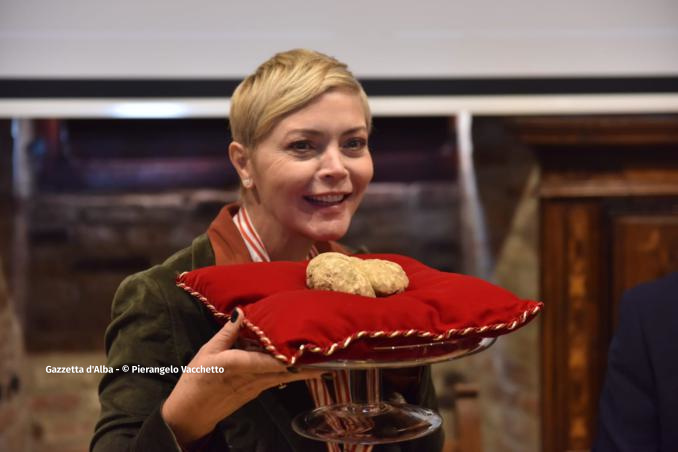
[200, 400]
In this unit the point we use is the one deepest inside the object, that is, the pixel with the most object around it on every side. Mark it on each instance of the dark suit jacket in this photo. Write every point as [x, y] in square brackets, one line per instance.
[639, 402]
[157, 324]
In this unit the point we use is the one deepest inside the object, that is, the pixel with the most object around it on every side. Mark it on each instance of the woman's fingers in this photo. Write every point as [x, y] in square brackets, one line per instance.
[241, 361]
[227, 335]
[250, 362]
[272, 380]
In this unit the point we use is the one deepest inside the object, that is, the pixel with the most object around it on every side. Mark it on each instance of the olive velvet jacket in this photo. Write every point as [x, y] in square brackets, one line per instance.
[156, 324]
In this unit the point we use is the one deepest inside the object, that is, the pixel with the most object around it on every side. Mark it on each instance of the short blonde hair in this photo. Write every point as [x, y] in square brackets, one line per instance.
[283, 84]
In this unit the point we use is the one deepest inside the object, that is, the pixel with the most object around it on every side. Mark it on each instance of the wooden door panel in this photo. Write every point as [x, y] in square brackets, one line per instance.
[645, 248]
[572, 250]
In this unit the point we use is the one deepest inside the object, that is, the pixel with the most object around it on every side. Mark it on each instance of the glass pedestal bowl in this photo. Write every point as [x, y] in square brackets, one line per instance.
[369, 420]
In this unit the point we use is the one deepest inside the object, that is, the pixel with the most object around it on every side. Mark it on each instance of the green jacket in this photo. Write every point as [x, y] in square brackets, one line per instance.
[156, 324]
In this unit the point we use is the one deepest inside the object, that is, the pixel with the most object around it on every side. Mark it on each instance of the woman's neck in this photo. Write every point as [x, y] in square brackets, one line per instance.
[280, 243]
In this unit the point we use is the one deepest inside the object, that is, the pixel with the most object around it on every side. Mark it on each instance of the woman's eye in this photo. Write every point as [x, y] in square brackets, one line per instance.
[355, 144]
[300, 146]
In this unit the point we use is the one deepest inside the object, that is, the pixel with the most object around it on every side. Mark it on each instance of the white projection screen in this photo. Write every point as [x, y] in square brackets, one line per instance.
[173, 39]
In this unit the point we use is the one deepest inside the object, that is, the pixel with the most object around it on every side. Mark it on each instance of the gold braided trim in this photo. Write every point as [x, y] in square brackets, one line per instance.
[343, 344]
[217, 314]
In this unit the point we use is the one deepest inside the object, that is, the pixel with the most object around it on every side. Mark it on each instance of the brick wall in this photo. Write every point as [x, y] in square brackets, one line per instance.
[63, 407]
[81, 246]
[420, 220]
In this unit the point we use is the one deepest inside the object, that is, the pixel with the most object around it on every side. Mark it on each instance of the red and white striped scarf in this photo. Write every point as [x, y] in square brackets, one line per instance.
[320, 392]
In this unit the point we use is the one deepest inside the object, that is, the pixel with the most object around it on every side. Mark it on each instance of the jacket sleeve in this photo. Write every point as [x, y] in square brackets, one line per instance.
[628, 413]
[140, 335]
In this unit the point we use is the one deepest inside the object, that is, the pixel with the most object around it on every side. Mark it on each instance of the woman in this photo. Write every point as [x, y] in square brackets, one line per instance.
[300, 127]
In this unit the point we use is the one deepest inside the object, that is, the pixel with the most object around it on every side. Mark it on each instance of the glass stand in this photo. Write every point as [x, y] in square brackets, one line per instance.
[367, 419]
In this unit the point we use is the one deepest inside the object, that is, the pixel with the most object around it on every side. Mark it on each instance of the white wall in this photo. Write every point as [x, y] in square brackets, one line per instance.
[377, 38]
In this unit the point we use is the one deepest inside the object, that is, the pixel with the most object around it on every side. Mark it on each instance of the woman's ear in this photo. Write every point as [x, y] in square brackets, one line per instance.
[240, 159]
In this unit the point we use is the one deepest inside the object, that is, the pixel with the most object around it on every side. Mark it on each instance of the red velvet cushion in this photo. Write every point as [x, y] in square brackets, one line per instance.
[299, 325]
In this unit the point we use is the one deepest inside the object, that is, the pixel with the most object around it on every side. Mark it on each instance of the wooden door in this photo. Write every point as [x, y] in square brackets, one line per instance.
[609, 220]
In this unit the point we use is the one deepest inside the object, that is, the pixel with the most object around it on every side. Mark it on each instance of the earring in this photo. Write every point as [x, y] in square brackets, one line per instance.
[247, 182]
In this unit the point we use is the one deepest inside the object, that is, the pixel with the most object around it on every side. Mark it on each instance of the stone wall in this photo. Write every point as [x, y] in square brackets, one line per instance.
[14, 412]
[511, 400]
[508, 373]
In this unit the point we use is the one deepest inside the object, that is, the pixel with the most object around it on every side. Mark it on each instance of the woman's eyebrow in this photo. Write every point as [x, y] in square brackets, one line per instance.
[303, 132]
[315, 132]
[354, 130]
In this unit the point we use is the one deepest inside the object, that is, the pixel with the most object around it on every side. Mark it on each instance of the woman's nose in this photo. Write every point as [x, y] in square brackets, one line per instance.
[332, 164]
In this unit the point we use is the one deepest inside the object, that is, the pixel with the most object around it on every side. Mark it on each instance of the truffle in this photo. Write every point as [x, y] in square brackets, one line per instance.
[368, 277]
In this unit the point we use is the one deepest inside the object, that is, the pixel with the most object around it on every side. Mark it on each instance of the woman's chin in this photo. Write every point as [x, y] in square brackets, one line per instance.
[328, 233]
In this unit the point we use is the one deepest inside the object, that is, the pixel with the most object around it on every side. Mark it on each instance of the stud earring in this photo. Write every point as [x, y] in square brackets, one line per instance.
[247, 182]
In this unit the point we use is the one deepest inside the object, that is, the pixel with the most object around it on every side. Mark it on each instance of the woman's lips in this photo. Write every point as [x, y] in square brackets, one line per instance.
[326, 200]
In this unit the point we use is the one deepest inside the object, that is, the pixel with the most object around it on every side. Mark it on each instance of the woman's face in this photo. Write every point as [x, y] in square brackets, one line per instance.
[311, 170]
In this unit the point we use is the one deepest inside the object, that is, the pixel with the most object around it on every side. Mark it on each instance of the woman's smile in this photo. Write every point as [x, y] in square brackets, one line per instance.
[327, 200]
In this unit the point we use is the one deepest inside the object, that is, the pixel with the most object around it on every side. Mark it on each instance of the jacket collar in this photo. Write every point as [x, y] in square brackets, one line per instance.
[226, 241]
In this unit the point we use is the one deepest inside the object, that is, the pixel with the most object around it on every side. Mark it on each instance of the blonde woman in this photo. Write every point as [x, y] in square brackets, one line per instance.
[300, 128]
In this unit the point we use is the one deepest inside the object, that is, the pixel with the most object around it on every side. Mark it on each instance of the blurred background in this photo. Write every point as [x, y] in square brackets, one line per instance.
[531, 143]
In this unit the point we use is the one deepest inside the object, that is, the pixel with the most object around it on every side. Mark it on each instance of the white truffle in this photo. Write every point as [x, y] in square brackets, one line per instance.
[336, 272]
[386, 277]
[369, 277]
